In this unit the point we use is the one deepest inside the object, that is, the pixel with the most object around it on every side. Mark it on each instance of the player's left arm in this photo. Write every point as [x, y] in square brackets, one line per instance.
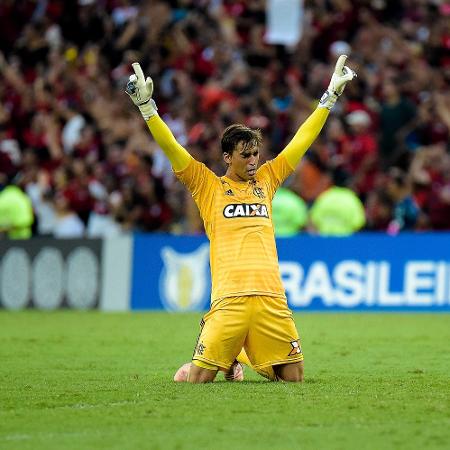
[311, 128]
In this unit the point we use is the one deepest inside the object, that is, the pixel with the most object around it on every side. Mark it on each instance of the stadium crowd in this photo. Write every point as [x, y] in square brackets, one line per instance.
[72, 140]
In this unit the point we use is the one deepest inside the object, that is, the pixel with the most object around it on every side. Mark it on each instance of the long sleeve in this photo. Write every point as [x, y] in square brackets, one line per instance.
[305, 136]
[176, 153]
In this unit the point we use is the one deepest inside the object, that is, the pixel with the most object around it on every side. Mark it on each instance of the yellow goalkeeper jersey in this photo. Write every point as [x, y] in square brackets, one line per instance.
[238, 222]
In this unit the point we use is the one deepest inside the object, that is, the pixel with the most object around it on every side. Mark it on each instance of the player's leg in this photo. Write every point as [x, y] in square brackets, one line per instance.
[244, 360]
[234, 373]
[222, 335]
[272, 344]
[290, 372]
[266, 372]
[201, 372]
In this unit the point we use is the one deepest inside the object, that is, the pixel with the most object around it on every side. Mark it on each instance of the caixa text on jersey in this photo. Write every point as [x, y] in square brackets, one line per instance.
[245, 210]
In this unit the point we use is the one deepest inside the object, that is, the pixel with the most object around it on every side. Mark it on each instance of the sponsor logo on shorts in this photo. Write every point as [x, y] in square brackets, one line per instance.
[245, 210]
[296, 349]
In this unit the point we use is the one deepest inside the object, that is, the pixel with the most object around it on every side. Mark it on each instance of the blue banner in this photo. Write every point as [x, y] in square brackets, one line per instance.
[409, 272]
[170, 272]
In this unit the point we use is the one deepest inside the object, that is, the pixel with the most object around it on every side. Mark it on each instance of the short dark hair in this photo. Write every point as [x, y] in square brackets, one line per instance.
[398, 176]
[239, 133]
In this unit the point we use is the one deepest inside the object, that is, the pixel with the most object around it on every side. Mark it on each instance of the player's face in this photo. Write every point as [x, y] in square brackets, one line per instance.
[243, 162]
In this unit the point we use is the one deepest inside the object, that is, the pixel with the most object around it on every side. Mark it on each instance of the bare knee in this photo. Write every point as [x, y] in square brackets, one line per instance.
[292, 372]
[201, 375]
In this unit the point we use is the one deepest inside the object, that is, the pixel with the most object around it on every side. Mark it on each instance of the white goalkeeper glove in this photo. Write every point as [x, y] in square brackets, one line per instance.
[140, 91]
[342, 74]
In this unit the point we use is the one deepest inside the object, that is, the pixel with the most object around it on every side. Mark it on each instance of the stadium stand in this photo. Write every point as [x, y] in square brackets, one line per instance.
[72, 140]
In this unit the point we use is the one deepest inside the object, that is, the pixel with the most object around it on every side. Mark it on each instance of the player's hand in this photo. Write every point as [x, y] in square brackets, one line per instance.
[341, 76]
[140, 91]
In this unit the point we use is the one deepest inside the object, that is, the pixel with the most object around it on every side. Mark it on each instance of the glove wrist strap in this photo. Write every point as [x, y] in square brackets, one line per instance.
[328, 99]
[148, 109]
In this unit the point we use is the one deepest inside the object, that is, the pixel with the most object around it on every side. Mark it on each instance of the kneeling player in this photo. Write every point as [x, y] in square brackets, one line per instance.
[248, 303]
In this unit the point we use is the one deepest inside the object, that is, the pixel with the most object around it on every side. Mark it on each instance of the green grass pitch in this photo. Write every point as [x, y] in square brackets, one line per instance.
[90, 380]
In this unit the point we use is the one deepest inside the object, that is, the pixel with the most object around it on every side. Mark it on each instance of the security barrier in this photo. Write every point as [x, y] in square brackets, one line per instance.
[65, 273]
[366, 272]
[409, 272]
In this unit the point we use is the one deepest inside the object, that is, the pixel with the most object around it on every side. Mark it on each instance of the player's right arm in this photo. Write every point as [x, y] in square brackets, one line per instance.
[195, 175]
[140, 91]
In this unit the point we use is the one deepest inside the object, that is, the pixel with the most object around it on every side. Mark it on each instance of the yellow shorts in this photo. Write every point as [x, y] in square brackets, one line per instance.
[262, 325]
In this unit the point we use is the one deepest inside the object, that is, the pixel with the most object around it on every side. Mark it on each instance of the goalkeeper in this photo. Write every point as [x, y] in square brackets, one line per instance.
[248, 304]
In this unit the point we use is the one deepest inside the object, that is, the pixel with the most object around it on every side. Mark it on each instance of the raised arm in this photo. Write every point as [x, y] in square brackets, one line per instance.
[310, 129]
[140, 91]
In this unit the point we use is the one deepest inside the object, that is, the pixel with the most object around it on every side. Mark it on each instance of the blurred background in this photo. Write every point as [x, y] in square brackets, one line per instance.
[92, 218]
[74, 144]
[77, 160]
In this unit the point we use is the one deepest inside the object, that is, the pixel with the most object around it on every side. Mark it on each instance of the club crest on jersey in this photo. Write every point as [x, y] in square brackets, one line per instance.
[245, 210]
[258, 192]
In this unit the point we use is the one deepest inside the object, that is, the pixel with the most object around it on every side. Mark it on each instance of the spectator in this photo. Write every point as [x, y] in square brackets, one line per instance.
[337, 211]
[360, 153]
[396, 115]
[40, 192]
[67, 223]
[379, 208]
[289, 213]
[311, 178]
[64, 65]
[16, 212]
[406, 211]
[430, 173]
